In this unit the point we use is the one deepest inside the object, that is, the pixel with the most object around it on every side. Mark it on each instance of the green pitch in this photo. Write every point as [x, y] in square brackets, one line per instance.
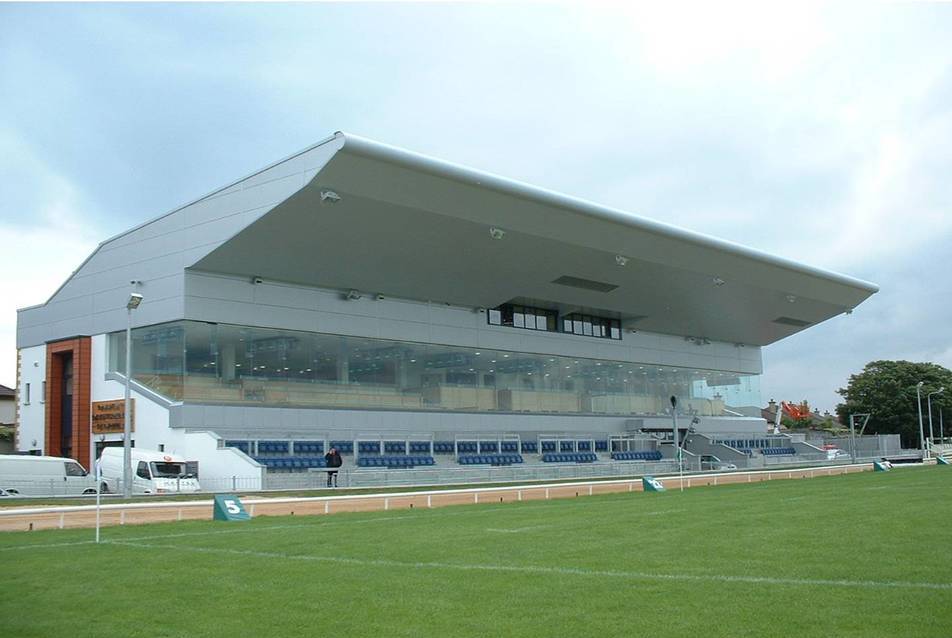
[859, 555]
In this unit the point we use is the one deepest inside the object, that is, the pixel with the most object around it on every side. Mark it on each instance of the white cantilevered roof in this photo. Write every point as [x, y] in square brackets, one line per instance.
[410, 226]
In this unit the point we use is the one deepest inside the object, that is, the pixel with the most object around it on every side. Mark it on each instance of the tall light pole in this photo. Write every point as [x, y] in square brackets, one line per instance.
[929, 402]
[134, 300]
[922, 436]
[677, 443]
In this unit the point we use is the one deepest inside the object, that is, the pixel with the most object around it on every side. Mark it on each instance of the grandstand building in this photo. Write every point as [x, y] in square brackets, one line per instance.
[412, 312]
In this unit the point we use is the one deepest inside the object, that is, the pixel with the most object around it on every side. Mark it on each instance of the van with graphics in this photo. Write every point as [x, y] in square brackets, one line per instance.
[23, 475]
[153, 472]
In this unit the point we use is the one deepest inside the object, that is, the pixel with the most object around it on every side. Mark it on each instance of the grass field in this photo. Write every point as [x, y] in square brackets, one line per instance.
[858, 555]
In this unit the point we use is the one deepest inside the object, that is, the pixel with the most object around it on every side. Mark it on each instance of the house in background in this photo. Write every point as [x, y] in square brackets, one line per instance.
[8, 404]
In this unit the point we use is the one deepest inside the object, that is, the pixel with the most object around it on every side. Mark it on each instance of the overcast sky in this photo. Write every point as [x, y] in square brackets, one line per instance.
[822, 134]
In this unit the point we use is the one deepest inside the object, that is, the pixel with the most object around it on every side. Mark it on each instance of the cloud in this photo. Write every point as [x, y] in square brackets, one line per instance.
[813, 131]
[45, 234]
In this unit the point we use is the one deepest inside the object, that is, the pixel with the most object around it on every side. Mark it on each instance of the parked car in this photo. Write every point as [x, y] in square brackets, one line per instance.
[711, 462]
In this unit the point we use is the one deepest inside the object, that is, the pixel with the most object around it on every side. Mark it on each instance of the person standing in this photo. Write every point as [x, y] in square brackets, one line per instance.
[333, 460]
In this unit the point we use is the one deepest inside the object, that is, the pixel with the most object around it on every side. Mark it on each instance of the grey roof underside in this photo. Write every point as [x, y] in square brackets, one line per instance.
[413, 227]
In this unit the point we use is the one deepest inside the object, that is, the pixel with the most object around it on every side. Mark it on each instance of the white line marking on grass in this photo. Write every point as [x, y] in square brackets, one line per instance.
[44, 545]
[559, 571]
[662, 512]
[321, 522]
[517, 530]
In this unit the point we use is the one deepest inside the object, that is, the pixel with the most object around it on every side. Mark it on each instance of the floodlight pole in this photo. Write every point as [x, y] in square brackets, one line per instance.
[677, 445]
[134, 300]
[922, 436]
[852, 440]
[865, 416]
[929, 402]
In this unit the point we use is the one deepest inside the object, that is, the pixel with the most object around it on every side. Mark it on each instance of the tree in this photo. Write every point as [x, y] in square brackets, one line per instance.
[887, 390]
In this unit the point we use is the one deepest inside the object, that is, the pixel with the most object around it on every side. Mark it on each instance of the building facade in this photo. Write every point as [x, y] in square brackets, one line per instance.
[357, 289]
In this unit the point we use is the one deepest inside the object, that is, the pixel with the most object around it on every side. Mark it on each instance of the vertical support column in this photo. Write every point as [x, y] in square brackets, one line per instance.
[226, 361]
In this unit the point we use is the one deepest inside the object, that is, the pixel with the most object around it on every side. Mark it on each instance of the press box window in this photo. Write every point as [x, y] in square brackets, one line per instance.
[589, 326]
[525, 317]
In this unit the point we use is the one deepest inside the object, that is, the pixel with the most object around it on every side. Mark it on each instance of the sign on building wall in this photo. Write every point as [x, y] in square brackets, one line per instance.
[109, 416]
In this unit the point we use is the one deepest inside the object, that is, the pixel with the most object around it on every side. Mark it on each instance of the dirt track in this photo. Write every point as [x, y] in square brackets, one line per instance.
[25, 519]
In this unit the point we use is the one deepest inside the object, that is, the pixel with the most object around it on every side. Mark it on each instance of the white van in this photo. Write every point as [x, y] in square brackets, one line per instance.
[23, 475]
[153, 472]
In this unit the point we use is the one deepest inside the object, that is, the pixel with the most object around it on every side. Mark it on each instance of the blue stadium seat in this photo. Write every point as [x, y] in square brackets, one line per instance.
[489, 459]
[344, 447]
[244, 446]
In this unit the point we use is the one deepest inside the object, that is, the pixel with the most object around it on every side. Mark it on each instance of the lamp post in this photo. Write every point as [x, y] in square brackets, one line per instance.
[929, 402]
[922, 437]
[134, 300]
[677, 443]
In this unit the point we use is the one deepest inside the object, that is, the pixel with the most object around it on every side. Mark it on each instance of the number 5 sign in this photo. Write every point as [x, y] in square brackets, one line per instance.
[229, 508]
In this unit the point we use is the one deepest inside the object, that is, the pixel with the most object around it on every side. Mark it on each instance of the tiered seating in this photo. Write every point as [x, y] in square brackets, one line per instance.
[420, 446]
[488, 446]
[309, 447]
[368, 447]
[566, 446]
[548, 446]
[584, 446]
[652, 455]
[394, 447]
[777, 451]
[467, 446]
[574, 457]
[747, 446]
[490, 459]
[510, 446]
[443, 447]
[344, 447]
[395, 461]
[272, 447]
[601, 446]
[529, 446]
[244, 446]
[291, 462]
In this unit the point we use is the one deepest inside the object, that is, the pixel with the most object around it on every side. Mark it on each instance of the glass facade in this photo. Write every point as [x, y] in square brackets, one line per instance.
[217, 363]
